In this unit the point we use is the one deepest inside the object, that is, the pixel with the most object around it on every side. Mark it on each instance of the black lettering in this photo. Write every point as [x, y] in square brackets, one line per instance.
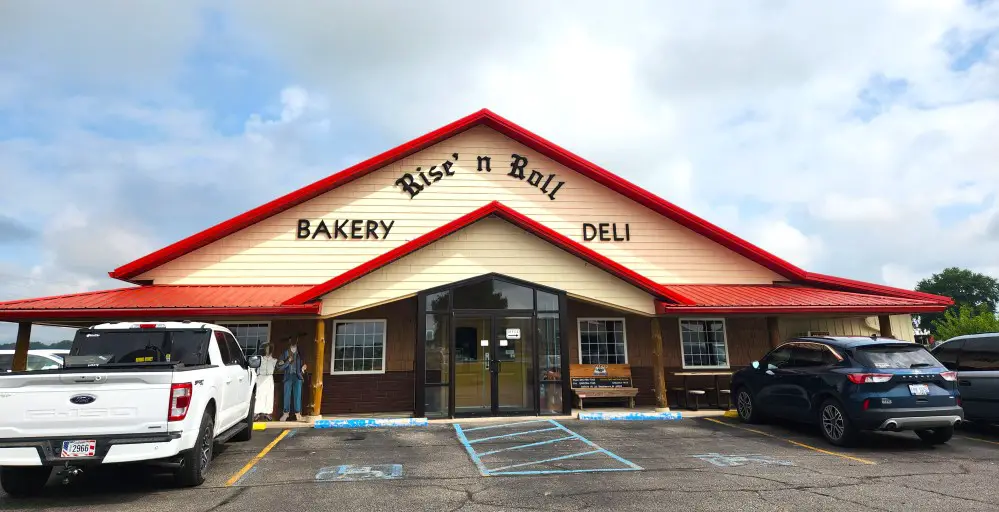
[614, 230]
[340, 229]
[485, 159]
[534, 181]
[447, 165]
[517, 166]
[425, 180]
[552, 194]
[604, 233]
[386, 228]
[589, 232]
[544, 188]
[627, 234]
[355, 229]
[322, 229]
[408, 183]
[371, 227]
[303, 228]
[435, 174]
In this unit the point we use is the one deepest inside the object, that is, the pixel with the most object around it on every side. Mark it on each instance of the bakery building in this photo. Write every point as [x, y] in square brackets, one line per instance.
[468, 271]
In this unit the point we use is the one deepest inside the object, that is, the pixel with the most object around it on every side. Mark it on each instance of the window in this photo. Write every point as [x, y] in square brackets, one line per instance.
[493, 294]
[910, 355]
[779, 358]
[980, 354]
[948, 353]
[602, 341]
[250, 336]
[229, 357]
[359, 346]
[703, 343]
[809, 355]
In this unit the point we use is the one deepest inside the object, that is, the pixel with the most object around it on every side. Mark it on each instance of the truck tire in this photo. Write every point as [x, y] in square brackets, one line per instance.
[196, 461]
[245, 434]
[24, 481]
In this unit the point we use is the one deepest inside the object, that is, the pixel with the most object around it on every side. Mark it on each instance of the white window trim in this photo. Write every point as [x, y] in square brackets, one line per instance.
[384, 323]
[249, 322]
[683, 358]
[579, 335]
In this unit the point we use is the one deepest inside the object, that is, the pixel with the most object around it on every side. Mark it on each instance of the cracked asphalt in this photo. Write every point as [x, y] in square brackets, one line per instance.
[782, 467]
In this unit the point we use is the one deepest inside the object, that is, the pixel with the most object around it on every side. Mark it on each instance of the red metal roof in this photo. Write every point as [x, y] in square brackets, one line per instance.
[164, 300]
[722, 298]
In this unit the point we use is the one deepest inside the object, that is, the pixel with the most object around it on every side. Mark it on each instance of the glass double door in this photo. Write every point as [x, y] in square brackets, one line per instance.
[493, 364]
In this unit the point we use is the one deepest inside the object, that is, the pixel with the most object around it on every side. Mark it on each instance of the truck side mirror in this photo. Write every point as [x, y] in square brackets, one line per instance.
[253, 362]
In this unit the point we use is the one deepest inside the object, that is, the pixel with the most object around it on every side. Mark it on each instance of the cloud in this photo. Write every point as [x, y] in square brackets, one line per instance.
[12, 230]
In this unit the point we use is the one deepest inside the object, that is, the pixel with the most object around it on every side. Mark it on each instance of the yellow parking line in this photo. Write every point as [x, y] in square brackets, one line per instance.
[979, 439]
[256, 459]
[796, 443]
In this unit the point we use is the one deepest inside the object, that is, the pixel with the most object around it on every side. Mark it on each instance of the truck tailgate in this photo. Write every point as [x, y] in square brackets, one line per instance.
[60, 404]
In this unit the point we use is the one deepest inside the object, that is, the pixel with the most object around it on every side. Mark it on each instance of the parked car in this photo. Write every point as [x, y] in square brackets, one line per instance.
[850, 384]
[128, 392]
[38, 359]
[975, 358]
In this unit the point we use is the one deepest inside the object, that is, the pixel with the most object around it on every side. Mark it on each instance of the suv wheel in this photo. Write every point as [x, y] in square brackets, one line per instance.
[836, 426]
[24, 481]
[938, 435]
[746, 406]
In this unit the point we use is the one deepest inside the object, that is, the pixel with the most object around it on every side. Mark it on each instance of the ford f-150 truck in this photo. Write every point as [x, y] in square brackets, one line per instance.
[164, 393]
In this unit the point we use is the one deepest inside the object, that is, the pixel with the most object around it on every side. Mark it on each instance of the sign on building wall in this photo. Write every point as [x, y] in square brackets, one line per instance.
[417, 181]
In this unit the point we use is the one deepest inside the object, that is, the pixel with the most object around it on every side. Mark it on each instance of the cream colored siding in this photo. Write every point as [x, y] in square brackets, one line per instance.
[490, 245]
[901, 326]
[269, 252]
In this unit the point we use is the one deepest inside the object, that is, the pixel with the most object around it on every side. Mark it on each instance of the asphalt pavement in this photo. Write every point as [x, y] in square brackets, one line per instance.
[713, 464]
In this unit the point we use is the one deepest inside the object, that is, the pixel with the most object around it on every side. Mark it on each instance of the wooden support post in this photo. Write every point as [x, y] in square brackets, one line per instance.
[20, 362]
[773, 331]
[658, 371]
[318, 368]
[885, 322]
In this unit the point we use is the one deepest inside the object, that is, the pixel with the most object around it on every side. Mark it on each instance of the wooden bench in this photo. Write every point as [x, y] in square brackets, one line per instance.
[602, 381]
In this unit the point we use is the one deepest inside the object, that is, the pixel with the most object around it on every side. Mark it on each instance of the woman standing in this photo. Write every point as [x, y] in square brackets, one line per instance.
[265, 385]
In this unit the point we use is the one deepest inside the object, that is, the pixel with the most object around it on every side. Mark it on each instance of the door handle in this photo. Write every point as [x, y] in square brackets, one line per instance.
[964, 382]
[241, 378]
[770, 372]
[229, 380]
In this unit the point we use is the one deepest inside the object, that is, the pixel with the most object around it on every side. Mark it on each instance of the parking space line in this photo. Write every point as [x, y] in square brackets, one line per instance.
[979, 440]
[471, 451]
[473, 441]
[553, 459]
[505, 425]
[539, 443]
[796, 443]
[611, 454]
[253, 462]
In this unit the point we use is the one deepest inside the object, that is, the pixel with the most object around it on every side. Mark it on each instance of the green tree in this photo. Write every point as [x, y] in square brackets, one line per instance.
[967, 288]
[966, 320]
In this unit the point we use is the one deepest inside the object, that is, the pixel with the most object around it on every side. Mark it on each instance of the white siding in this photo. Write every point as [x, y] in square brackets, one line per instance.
[269, 252]
[490, 245]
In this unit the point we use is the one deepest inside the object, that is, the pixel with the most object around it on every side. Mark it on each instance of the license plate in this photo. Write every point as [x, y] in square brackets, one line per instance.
[919, 389]
[72, 449]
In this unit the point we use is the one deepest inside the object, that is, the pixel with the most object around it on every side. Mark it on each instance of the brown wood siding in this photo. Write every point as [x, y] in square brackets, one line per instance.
[387, 392]
[400, 336]
[638, 331]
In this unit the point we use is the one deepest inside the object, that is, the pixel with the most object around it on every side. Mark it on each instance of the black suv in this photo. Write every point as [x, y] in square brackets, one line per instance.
[849, 384]
[975, 358]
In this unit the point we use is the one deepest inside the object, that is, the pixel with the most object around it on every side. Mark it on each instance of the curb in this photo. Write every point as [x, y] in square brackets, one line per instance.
[629, 416]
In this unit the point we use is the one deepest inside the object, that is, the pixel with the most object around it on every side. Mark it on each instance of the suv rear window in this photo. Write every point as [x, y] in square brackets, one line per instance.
[909, 355]
[139, 346]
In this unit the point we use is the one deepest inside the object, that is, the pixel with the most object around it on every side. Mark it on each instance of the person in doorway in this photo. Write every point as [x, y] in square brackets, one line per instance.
[265, 385]
[294, 374]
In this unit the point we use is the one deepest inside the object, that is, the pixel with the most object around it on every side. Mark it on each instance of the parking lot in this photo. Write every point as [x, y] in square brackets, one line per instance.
[693, 464]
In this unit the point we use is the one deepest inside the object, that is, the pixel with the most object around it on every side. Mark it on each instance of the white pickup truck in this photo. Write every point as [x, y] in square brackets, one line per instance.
[128, 392]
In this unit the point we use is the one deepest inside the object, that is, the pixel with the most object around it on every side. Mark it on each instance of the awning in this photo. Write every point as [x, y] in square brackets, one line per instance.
[776, 299]
[163, 301]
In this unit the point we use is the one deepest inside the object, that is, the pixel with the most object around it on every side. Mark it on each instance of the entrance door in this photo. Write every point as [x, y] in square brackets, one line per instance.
[494, 365]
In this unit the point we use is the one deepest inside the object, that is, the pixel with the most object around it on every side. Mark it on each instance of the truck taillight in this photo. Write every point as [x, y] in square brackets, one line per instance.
[180, 401]
[949, 376]
[868, 378]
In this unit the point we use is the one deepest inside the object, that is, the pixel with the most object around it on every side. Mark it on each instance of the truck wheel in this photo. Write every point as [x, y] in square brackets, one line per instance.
[836, 426]
[247, 433]
[195, 462]
[24, 481]
[939, 435]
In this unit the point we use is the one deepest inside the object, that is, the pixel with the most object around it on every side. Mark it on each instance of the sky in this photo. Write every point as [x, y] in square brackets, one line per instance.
[858, 140]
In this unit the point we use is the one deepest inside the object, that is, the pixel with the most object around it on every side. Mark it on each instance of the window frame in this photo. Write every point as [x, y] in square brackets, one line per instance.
[267, 336]
[384, 323]
[683, 358]
[579, 335]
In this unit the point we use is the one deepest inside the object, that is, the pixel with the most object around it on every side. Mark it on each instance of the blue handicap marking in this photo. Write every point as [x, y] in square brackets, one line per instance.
[629, 416]
[741, 460]
[560, 434]
[371, 422]
[351, 473]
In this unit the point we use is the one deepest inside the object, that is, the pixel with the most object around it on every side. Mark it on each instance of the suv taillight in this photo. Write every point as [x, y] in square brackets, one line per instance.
[949, 376]
[180, 401]
[868, 378]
